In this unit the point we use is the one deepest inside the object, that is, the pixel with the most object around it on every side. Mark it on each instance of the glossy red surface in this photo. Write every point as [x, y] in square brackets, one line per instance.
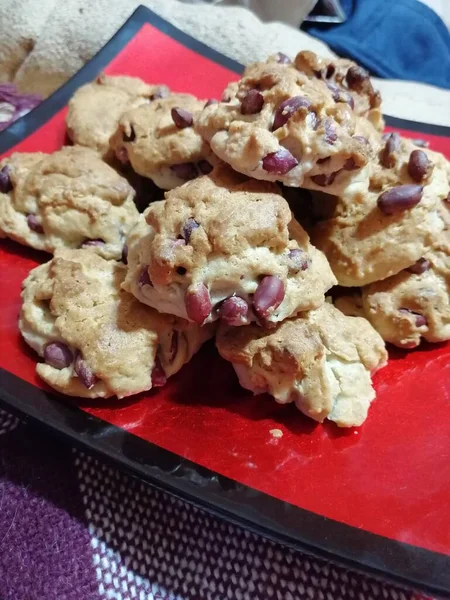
[390, 477]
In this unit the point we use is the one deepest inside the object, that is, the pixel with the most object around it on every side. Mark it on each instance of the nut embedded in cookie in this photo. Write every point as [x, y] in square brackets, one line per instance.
[68, 199]
[97, 340]
[413, 305]
[95, 108]
[321, 360]
[224, 246]
[383, 221]
[280, 124]
[348, 82]
[159, 141]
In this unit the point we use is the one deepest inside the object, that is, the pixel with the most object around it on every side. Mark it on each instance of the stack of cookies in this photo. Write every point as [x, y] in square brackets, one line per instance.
[278, 193]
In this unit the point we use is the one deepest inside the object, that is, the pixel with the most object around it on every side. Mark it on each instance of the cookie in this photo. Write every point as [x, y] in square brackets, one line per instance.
[345, 79]
[95, 108]
[335, 181]
[321, 360]
[387, 217]
[96, 339]
[279, 124]
[223, 246]
[351, 304]
[160, 142]
[414, 305]
[68, 199]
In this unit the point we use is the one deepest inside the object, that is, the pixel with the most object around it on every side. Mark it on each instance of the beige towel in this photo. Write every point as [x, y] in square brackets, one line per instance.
[44, 42]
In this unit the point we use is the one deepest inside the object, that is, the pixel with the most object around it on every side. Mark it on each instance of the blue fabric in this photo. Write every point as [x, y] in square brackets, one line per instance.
[401, 39]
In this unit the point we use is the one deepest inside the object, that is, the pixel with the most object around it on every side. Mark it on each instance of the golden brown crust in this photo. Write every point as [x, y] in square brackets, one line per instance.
[77, 299]
[319, 136]
[233, 214]
[351, 304]
[296, 340]
[95, 108]
[336, 71]
[409, 307]
[148, 137]
[363, 243]
[306, 360]
[73, 196]
[243, 232]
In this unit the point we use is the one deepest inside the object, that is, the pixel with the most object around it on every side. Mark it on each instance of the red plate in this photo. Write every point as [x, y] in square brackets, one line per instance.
[376, 498]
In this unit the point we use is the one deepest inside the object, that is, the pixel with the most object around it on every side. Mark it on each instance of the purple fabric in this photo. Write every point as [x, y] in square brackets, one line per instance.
[44, 541]
[13, 104]
[73, 528]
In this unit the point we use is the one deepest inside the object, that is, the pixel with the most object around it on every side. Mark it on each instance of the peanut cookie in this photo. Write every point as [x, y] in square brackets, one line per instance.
[414, 304]
[279, 124]
[160, 142]
[321, 360]
[96, 339]
[69, 199]
[95, 108]
[346, 80]
[387, 217]
[224, 246]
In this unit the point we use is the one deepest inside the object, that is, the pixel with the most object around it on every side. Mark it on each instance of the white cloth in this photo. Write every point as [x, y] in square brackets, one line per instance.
[44, 43]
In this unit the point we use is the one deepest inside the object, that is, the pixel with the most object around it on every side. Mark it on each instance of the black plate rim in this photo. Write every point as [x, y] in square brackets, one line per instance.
[261, 513]
[402, 563]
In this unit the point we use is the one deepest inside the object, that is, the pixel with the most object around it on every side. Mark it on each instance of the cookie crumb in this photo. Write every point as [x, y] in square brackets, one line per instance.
[276, 433]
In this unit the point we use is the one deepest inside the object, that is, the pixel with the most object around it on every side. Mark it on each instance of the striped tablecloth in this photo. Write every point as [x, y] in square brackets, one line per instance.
[72, 528]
